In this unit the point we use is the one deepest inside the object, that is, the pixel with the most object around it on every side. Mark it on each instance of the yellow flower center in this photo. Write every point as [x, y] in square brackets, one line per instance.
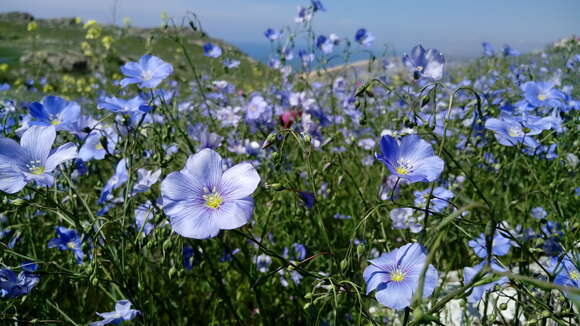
[55, 122]
[515, 132]
[213, 200]
[35, 167]
[71, 245]
[99, 146]
[397, 276]
[401, 170]
[575, 275]
[542, 97]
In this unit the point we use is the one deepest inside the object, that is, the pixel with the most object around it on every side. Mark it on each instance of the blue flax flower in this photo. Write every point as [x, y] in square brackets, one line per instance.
[395, 276]
[118, 105]
[272, 34]
[568, 272]
[68, 239]
[148, 72]
[13, 285]
[364, 38]
[118, 179]
[32, 160]
[510, 131]
[428, 64]
[478, 291]
[211, 50]
[439, 200]
[500, 245]
[413, 159]
[55, 111]
[543, 94]
[488, 49]
[123, 312]
[202, 199]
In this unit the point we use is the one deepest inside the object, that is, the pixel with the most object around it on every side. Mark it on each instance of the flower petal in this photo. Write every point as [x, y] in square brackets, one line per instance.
[63, 153]
[205, 167]
[396, 295]
[234, 214]
[37, 141]
[11, 181]
[239, 181]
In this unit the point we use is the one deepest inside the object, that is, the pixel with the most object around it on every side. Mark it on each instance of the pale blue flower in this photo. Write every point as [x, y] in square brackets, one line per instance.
[202, 199]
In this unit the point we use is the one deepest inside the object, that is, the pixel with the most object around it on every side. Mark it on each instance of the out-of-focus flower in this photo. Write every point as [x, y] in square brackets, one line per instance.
[428, 64]
[148, 72]
[123, 312]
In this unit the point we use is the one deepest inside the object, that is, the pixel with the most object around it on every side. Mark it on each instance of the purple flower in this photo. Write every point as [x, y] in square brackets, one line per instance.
[145, 179]
[500, 245]
[55, 111]
[478, 291]
[308, 198]
[508, 51]
[68, 239]
[13, 285]
[114, 182]
[144, 214]
[510, 132]
[395, 276]
[118, 105]
[32, 160]
[439, 199]
[324, 44]
[231, 63]
[211, 50]
[488, 49]
[412, 159]
[428, 64]
[201, 199]
[263, 262]
[403, 218]
[538, 213]
[93, 147]
[272, 34]
[123, 312]
[148, 72]
[568, 272]
[317, 5]
[256, 107]
[543, 94]
[364, 38]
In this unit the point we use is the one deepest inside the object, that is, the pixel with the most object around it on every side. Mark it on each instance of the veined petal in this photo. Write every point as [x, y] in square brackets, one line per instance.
[11, 181]
[178, 186]
[10, 151]
[37, 142]
[63, 153]
[191, 221]
[205, 167]
[396, 295]
[239, 181]
[374, 276]
[389, 149]
[232, 215]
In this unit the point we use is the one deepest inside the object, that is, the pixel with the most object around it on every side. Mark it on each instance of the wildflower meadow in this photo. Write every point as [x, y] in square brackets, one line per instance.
[162, 177]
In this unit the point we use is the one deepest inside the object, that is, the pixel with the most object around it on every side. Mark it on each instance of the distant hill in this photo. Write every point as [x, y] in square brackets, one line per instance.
[56, 46]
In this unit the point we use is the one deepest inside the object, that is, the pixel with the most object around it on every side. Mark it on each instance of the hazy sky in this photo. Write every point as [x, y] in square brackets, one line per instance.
[456, 27]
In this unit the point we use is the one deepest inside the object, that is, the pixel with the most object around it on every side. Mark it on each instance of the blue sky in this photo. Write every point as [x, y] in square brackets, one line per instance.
[456, 27]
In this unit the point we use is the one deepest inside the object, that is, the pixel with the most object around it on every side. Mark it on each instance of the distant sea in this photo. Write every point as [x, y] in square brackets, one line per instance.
[263, 51]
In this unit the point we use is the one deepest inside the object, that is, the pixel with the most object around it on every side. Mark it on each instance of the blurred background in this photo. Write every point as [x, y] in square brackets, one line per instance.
[455, 27]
